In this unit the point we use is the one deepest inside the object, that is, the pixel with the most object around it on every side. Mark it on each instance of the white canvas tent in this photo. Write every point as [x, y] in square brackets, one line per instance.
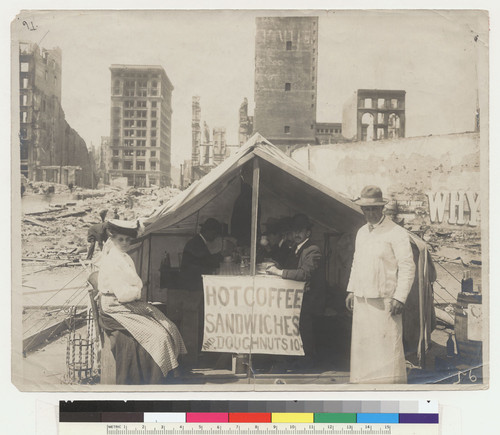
[281, 187]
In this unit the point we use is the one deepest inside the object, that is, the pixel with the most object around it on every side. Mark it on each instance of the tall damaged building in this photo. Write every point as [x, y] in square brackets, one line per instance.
[50, 149]
[141, 122]
[286, 59]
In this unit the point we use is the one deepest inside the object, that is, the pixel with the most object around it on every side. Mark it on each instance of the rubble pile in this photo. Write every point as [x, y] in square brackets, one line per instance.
[59, 231]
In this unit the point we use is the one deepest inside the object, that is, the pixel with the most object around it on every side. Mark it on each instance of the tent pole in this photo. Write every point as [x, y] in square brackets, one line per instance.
[255, 206]
[253, 240]
[149, 269]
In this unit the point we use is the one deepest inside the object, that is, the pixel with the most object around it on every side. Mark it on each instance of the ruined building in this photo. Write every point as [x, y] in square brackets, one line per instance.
[196, 130]
[207, 150]
[219, 140]
[50, 149]
[328, 133]
[286, 59]
[246, 123]
[141, 119]
[374, 114]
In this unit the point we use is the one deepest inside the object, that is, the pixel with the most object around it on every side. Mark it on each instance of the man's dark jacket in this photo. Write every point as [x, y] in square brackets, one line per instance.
[197, 261]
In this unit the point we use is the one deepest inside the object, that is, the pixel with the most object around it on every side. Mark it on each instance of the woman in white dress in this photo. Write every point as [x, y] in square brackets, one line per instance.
[146, 344]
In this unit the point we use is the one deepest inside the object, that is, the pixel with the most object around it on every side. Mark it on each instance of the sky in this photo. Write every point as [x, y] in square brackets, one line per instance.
[432, 55]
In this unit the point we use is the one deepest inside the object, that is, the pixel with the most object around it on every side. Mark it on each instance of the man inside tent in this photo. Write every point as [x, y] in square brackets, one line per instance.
[197, 260]
[306, 268]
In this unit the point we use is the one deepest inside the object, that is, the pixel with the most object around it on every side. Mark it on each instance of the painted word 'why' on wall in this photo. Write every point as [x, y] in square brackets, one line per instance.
[462, 207]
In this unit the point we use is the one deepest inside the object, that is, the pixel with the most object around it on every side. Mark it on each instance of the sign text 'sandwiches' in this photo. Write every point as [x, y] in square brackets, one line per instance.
[252, 314]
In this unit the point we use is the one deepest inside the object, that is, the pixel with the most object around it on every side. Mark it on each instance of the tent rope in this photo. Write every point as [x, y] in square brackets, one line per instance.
[64, 307]
[56, 293]
[444, 288]
[447, 271]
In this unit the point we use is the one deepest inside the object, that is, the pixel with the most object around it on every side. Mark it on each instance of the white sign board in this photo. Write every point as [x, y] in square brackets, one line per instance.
[245, 314]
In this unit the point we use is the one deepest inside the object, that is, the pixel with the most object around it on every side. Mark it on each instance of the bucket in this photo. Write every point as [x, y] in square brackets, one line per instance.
[239, 364]
[468, 349]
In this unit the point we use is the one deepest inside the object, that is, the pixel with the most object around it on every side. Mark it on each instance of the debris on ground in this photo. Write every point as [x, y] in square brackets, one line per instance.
[56, 227]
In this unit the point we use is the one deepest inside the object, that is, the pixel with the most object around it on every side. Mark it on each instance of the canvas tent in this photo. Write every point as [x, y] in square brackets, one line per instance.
[280, 187]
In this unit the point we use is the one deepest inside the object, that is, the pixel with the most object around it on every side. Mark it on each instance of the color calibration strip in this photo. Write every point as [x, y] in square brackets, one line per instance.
[368, 412]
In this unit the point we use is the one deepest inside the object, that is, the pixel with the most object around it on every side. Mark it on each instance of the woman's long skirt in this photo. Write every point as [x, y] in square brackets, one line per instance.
[145, 343]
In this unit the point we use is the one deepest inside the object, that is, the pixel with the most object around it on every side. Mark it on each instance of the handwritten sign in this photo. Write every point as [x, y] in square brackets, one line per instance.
[245, 314]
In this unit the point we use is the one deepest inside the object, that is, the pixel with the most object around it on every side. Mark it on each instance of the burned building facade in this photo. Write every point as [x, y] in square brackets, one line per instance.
[246, 123]
[374, 114]
[208, 149]
[141, 120]
[286, 59]
[50, 149]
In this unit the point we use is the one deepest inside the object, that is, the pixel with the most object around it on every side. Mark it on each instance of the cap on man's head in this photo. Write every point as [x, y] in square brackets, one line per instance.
[211, 224]
[301, 222]
[371, 196]
[128, 228]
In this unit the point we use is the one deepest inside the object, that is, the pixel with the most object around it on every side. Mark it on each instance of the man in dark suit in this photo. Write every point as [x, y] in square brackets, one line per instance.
[196, 261]
[307, 268]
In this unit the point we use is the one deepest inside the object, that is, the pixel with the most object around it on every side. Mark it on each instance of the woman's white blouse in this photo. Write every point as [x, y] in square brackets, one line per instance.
[117, 275]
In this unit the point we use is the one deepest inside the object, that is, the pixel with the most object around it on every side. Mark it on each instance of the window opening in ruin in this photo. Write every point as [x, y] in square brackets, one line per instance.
[368, 103]
[381, 103]
[394, 103]
[288, 45]
[380, 133]
[287, 129]
[25, 66]
[394, 130]
[288, 86]
[367, 132]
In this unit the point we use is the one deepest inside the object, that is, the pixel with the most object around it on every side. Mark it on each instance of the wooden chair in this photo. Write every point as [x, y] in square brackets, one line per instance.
[107, 360]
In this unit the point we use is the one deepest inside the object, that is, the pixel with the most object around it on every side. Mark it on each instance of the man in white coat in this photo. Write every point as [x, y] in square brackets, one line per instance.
[381, 278]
